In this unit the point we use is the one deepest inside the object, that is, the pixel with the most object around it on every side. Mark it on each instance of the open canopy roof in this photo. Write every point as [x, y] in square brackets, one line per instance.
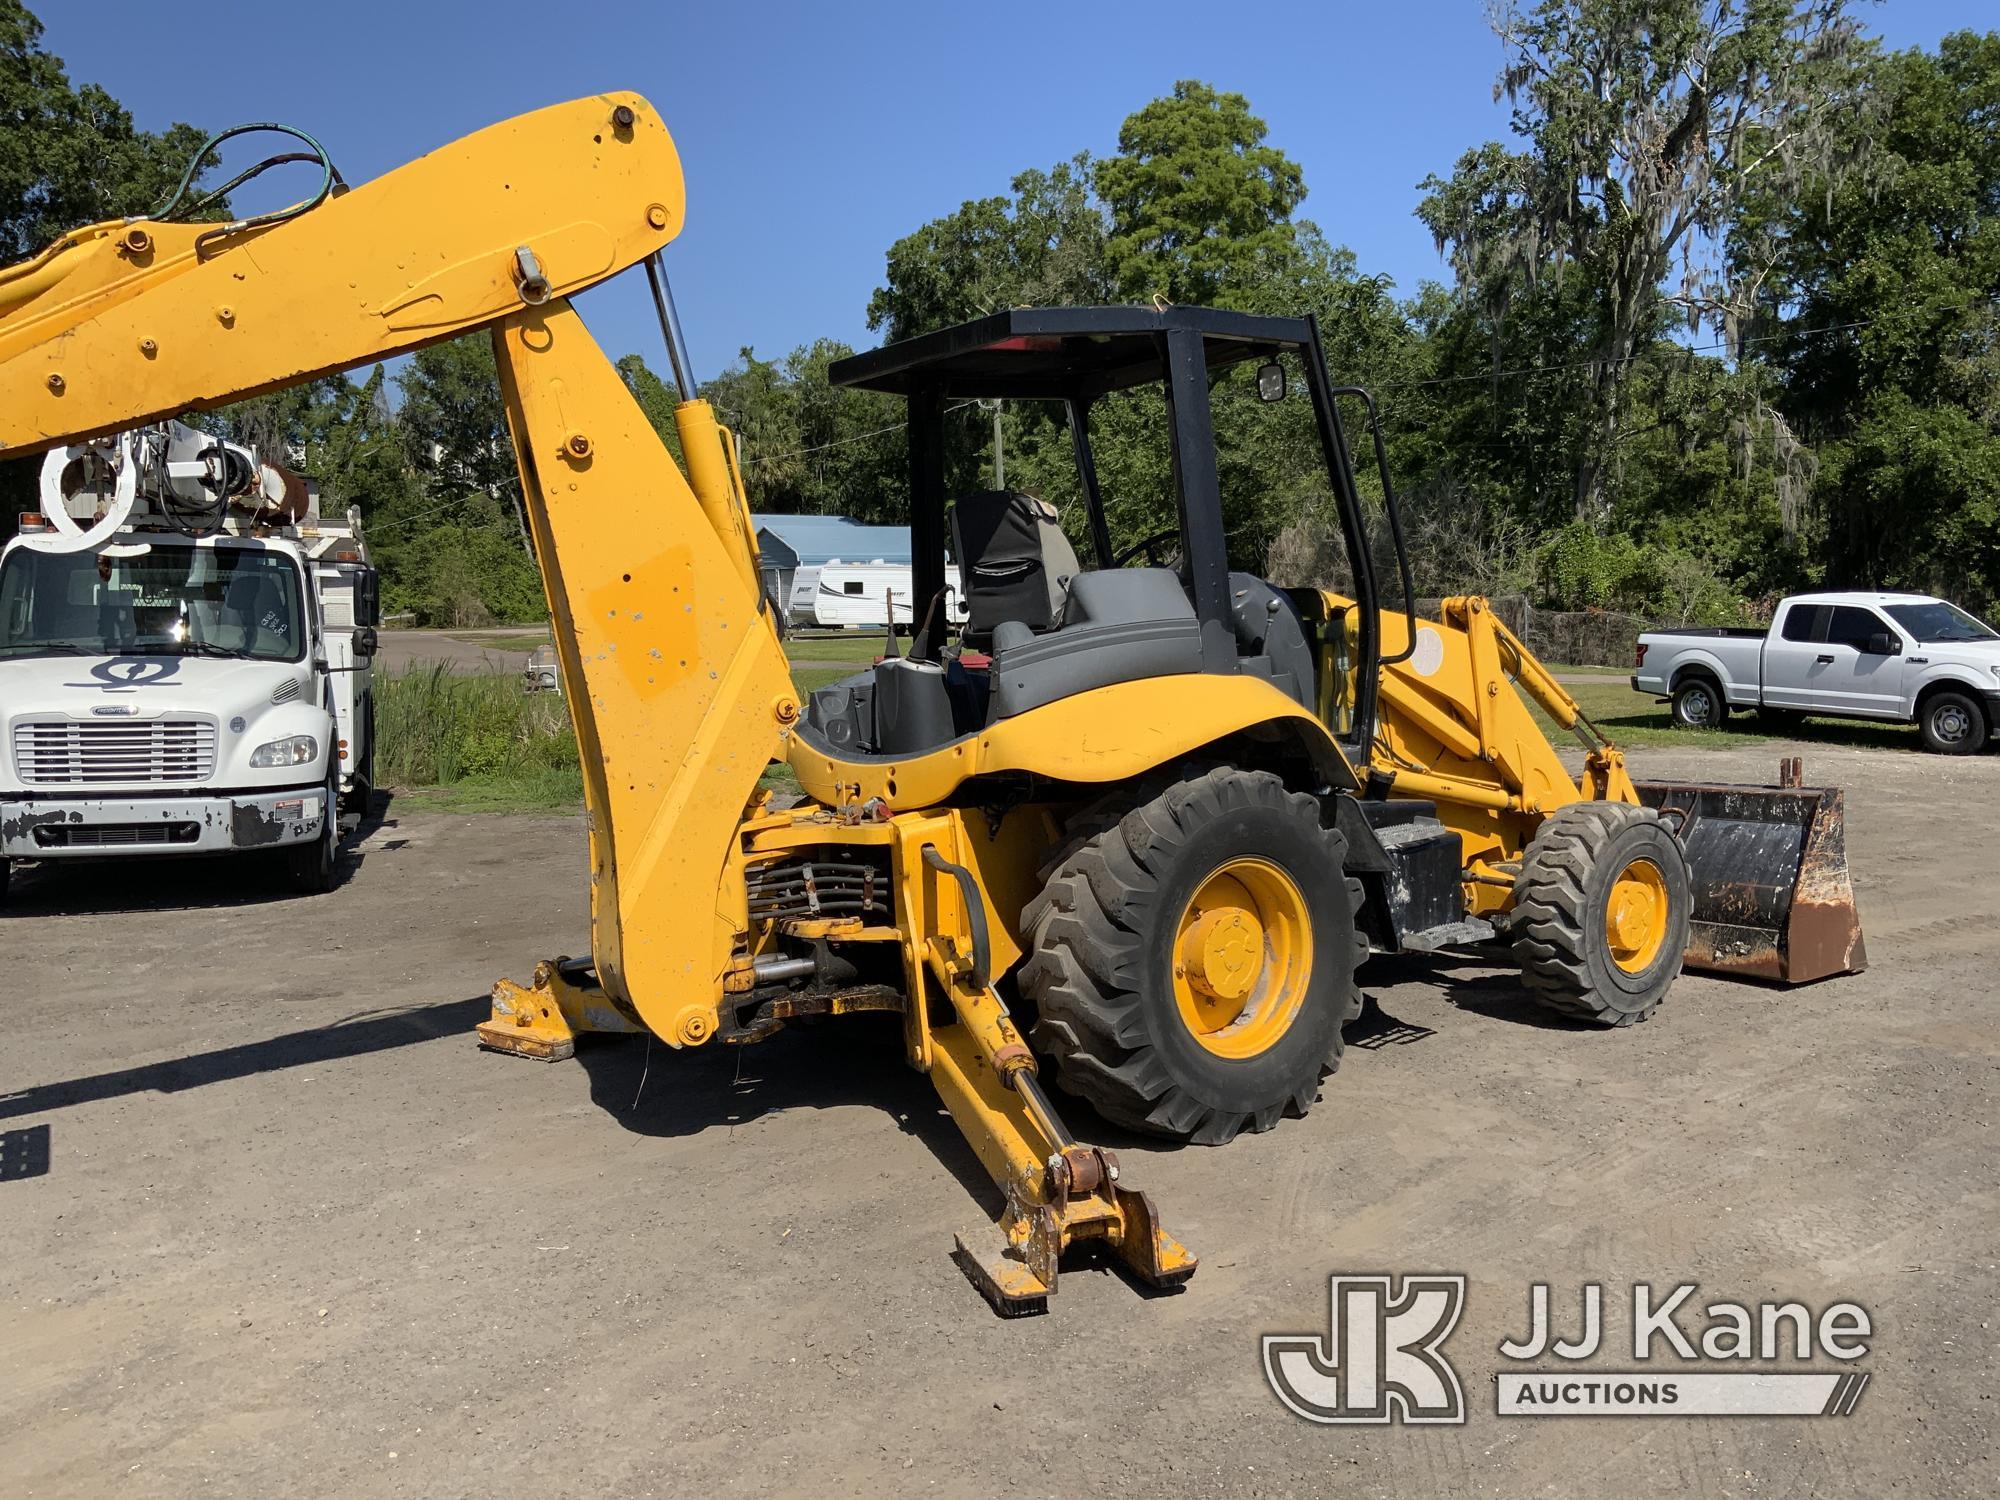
[1062, 353]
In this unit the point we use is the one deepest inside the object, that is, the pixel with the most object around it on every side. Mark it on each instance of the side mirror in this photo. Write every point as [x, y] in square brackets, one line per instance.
[1881, 643]
[1271, 382]
[365, 641]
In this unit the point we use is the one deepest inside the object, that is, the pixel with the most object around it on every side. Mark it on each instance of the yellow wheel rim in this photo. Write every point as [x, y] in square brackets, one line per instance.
[1635, 916]
[1242, 957]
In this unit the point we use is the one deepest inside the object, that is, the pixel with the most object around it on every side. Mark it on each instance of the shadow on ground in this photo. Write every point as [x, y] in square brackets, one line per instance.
[369, 1031]
[855, 1060]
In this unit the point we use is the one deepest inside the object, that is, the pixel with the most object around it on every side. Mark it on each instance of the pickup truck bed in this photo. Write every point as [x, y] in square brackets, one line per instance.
[1745, 632]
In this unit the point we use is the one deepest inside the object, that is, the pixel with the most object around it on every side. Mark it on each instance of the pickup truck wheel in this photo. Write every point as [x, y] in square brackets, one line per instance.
[309, 867]
[1191, 963]
[1698, 704]
[5, 866]
[1601, 912]
[1952, 723]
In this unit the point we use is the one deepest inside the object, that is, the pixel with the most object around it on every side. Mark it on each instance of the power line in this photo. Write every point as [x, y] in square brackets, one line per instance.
[843, 442]
[1585, 364]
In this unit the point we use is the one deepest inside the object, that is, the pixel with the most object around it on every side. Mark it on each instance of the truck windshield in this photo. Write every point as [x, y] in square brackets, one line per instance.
[172, 599]
[1939, 623]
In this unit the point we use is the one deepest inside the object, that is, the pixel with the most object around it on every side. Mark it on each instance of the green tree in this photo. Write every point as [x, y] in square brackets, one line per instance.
[1044, 246]
[1195, 197]
[69, 153]
[455, 428]
[1883, 323]
[1646, 125]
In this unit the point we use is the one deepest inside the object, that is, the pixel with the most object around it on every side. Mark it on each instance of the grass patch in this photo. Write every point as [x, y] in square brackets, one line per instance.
[1634, 720]
[1640, 720]
[476, 737]
[475, 742]
[857, 646]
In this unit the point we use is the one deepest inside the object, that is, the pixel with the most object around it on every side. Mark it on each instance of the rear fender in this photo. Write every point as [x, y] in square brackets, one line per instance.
[1108, 735]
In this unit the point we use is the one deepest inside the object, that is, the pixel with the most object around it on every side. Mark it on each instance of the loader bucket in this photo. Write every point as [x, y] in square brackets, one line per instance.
[1772, 898]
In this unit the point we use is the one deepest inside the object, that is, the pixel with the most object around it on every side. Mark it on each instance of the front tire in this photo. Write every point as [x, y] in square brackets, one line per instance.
[1601, 911]
[1698, 704]
[1192, 963]
[309, 867]
[1952, 723]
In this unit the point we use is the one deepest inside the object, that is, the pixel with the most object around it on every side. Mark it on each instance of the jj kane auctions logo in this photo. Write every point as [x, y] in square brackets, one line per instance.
[1382, 1357]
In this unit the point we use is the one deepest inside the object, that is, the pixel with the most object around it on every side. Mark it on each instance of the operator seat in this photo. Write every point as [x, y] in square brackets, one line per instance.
[1014, 562]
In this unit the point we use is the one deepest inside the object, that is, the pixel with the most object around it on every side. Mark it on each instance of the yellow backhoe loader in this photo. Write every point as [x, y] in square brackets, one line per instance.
[1131, 828]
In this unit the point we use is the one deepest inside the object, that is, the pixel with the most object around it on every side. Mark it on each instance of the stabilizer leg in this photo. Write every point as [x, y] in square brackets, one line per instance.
[1059, 1192]
[542, 1018]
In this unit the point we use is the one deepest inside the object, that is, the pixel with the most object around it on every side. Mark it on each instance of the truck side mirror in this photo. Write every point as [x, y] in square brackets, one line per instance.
[368, 600]
[1881, 643]
[365, 641]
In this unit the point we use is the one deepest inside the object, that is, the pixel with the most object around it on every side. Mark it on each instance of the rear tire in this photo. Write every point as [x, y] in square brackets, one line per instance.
[1698, 704]
[1197, 1018]
[1952, 723]
[1601, 912]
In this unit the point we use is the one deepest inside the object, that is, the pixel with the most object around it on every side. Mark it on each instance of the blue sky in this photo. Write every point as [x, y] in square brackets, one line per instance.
[815, 134]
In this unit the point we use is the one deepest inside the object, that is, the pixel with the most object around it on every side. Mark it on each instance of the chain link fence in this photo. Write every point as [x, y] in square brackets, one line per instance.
[1572, 638]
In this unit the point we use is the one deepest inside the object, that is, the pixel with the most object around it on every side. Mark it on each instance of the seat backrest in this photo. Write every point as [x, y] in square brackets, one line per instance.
[1014, 561]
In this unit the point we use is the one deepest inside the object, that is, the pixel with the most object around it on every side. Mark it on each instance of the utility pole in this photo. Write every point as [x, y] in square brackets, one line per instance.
[999, 447]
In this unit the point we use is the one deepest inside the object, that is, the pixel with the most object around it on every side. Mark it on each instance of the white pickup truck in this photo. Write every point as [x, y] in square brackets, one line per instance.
[173, 692]
[1905, 658]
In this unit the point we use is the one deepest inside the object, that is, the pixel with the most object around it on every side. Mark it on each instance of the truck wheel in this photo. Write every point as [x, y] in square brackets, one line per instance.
[5, 867]
[309, 867]
[1192, 963]
[1698, 704]
[1601, 912]
[1952, 723]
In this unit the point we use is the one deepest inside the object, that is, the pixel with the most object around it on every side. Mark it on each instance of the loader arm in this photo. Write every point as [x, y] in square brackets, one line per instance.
[1771, 893]
[650, 573]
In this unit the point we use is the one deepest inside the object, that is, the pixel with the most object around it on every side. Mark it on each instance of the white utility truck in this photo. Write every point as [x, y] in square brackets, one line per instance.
[1905, 658]
[185, 660]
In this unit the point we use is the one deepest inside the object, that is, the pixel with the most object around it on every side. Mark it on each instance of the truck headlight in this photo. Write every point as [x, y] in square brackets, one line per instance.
[292, 750]
[1995, 669]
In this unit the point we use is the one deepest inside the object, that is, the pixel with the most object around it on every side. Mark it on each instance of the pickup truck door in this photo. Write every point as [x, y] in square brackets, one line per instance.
[1824, 659]
[1791, 667]
[1864, 679]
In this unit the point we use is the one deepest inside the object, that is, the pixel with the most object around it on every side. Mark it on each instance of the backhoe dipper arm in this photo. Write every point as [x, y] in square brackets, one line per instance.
[652, 583]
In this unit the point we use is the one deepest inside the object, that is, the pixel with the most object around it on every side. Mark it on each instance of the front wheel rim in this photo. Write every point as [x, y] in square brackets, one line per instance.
[1951, 724]
[1242, 958]
[1637, 912]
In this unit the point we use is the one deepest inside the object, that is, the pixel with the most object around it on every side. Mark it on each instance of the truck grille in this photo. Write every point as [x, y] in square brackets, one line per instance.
[62, 752]
[115, 835]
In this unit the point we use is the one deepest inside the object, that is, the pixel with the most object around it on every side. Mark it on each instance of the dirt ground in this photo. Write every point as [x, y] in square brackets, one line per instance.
[271, 1224]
